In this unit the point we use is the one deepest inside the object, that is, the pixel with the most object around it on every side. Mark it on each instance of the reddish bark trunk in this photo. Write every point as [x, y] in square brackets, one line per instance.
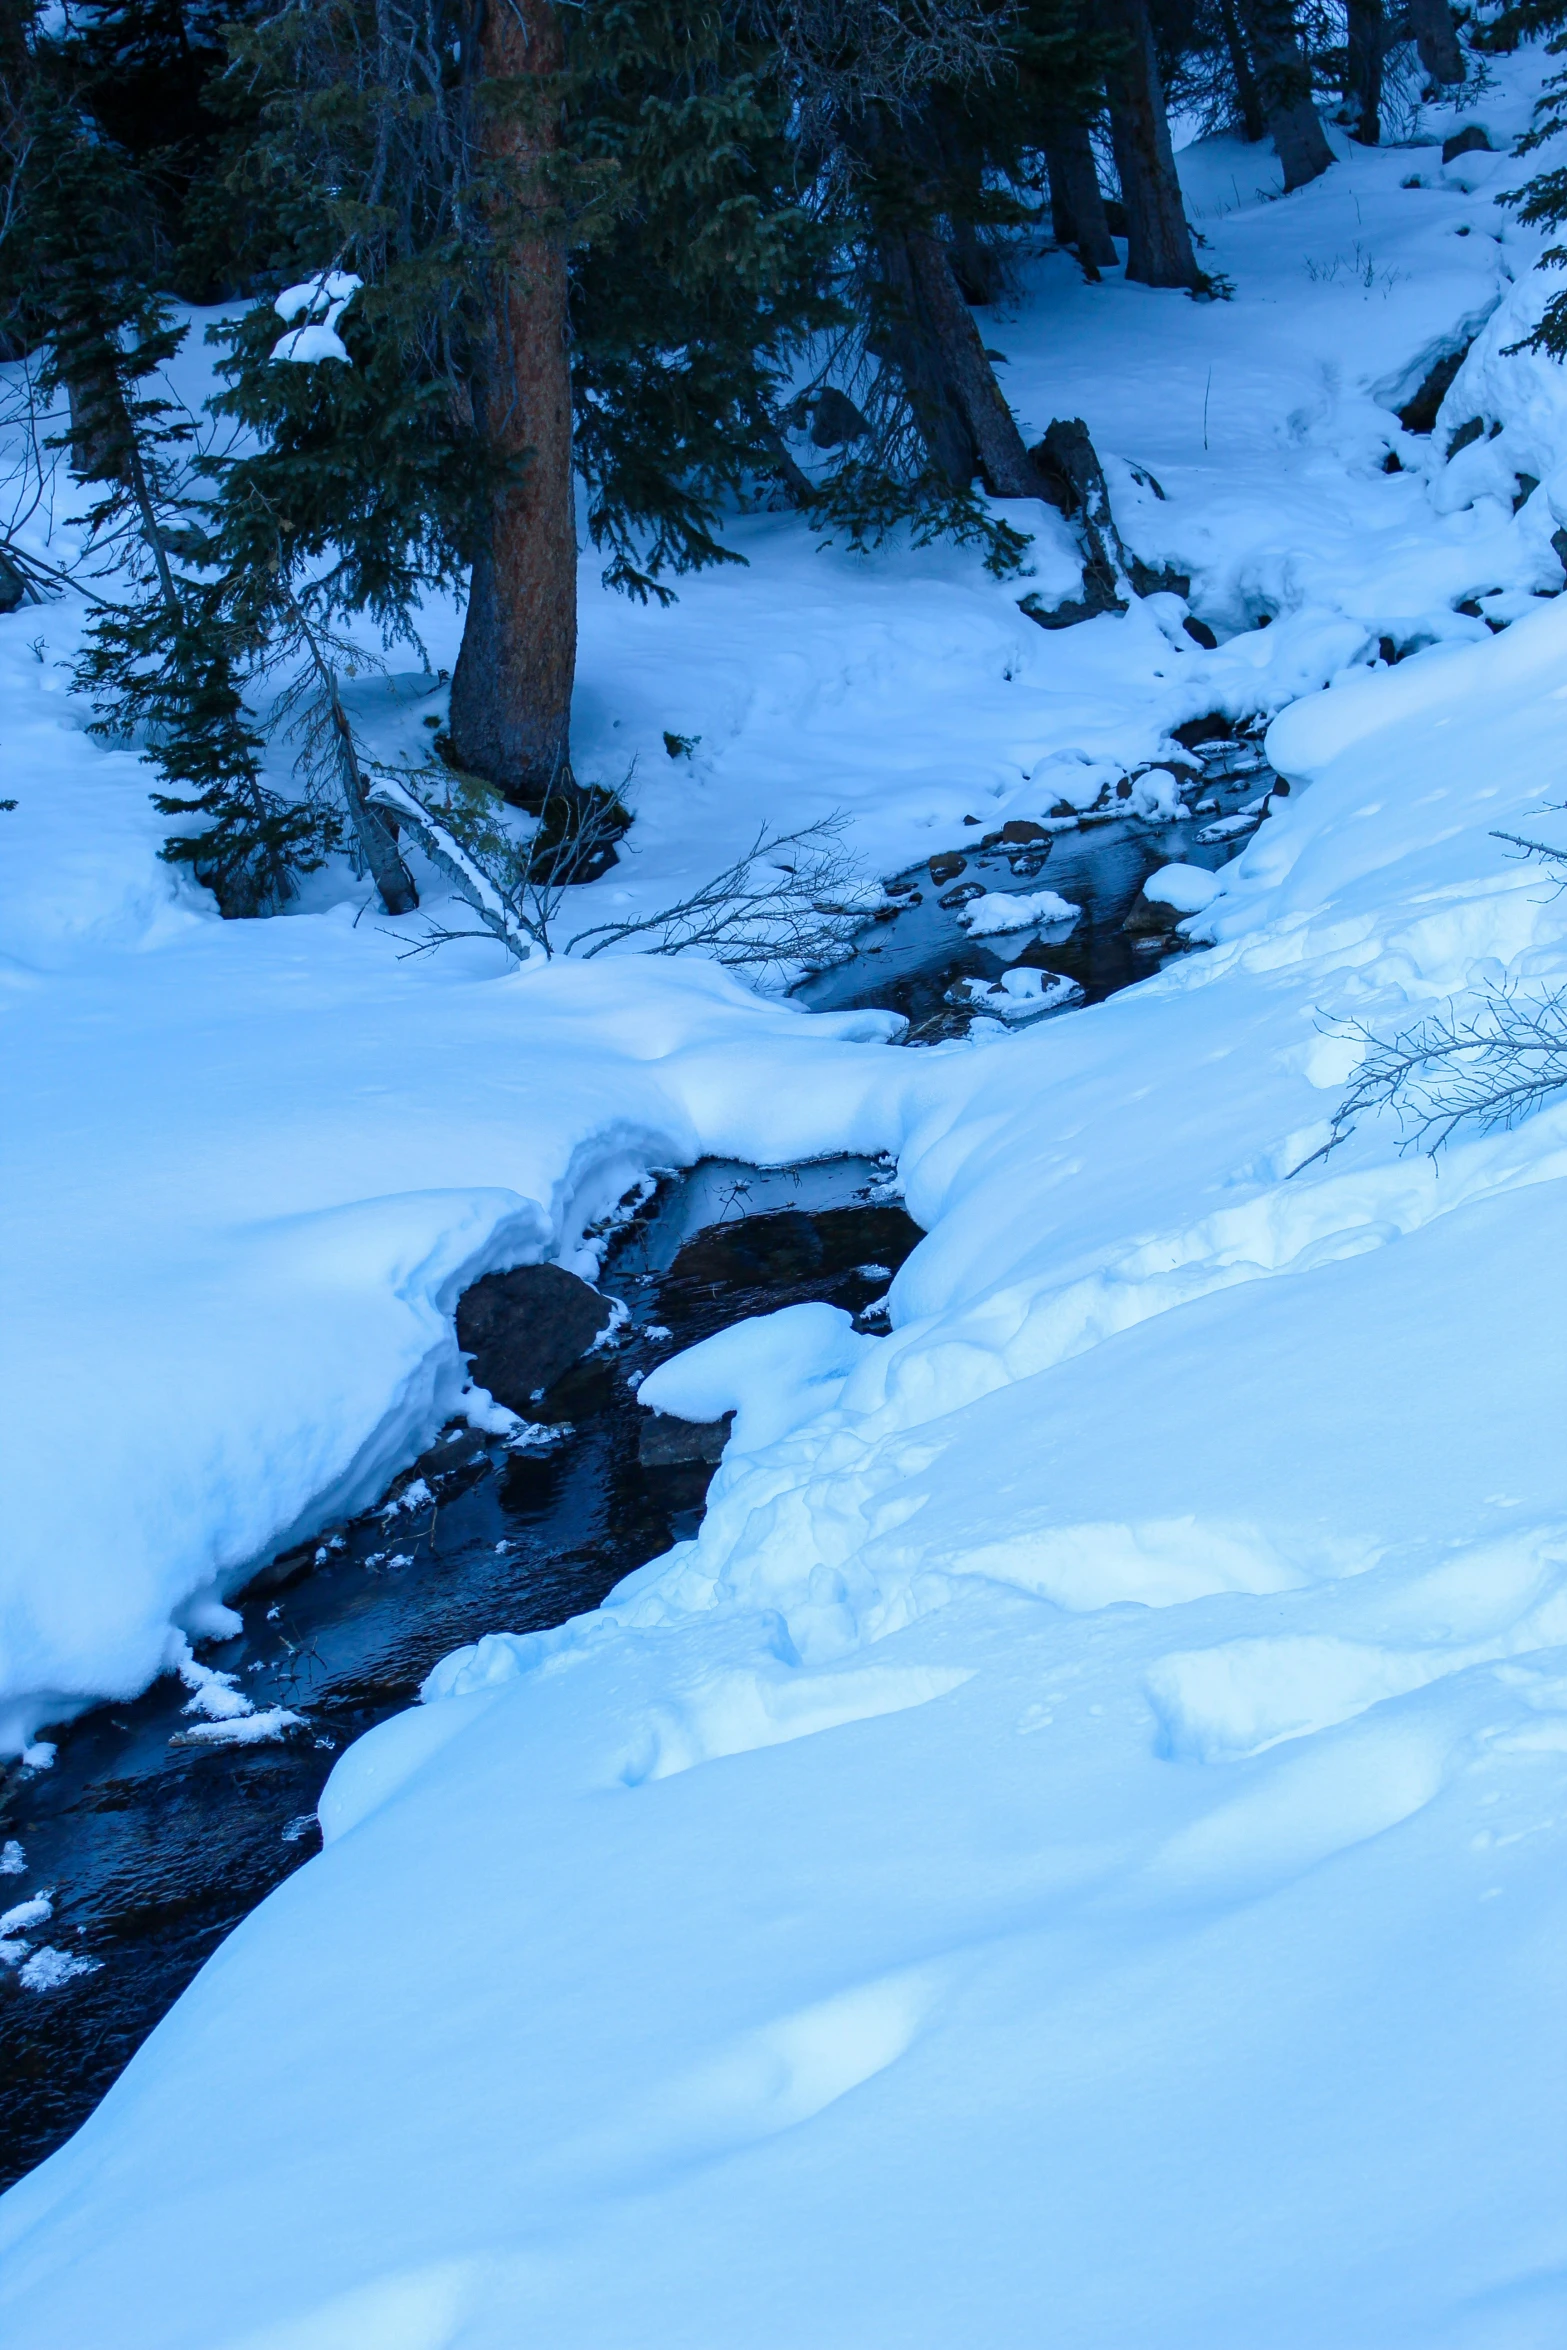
[511, 692]
[1368, 45]
[1436, 38]
[1253, 120]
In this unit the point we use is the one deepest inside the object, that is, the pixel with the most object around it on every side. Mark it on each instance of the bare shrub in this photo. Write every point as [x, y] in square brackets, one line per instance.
[1489, 1062]
[790, 898]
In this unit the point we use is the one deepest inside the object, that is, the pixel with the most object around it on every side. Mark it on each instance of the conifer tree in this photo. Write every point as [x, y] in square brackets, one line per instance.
[161, 655]
[1284, 82]
[1542, 202]
[1159, 248]
[619, 203]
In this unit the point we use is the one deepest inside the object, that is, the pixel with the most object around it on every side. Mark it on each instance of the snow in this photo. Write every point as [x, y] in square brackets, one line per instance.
[996, 913]
[331, 294]
[1023, 993]
[247, 1729]
[774, 1371]
[26, 1913]
[1156, 793]
[1079, 1829]
[1188, 888]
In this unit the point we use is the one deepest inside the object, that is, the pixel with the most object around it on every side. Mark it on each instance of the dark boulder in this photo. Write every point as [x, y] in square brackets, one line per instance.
[1151, 919]
[524, 1328]
[666, 1443]
[1471, 140]
[1214, 728]
[1419, 412]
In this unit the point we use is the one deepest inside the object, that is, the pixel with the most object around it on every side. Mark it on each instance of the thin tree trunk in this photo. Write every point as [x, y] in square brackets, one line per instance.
[1436, 38]
[1004, 461]
[1253, 121]
[1077, 205]
[511, 691]
[1284, 82]
[374, 829]
[100, 428]
[1368, 44]
[1158, 240]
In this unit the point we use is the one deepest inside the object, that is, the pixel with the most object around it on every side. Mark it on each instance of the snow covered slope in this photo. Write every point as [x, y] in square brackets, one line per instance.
[1073, 1851]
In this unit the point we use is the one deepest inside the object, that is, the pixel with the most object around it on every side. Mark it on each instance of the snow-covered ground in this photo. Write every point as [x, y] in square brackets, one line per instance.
[1073, 1851]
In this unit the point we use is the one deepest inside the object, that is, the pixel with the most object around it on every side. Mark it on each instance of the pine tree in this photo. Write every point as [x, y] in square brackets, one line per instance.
[1284, 82]
[1542, 202]
[707, 274]
[161, 656]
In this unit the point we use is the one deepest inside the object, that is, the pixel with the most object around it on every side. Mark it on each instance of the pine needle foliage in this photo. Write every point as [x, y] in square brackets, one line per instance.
[706, 276]
[696, 273]
[164, 657]
[1542, 201]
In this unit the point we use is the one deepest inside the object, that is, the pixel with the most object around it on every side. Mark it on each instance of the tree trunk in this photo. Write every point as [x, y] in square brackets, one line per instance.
[978, 267]
[904, 335]
[1436, 38]
[1003, 459]
[1158, 240]
[1284, 82]
[1077, 205]
[1253, 121]
[511, 692]
[1368, 43]
[100, 430]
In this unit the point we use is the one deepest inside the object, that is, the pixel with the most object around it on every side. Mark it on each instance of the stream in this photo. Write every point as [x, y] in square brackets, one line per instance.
[152, 1843]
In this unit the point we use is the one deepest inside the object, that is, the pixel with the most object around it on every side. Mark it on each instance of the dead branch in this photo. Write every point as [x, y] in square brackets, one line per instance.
[1490, 1064]
[791, 897]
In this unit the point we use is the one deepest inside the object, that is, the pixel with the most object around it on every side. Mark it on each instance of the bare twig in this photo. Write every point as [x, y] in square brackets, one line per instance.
[791, 897]
[1490, 1065]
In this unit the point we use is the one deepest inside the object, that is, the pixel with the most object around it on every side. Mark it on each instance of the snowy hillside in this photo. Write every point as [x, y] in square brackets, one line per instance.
[1071, 1851]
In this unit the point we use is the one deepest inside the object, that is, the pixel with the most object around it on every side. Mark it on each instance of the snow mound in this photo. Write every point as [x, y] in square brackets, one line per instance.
[996, 913]
[1188, 888]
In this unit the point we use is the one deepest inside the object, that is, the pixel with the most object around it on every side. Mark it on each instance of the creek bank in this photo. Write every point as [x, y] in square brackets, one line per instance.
[156, 1838]
[924, 960]
[153, 1843]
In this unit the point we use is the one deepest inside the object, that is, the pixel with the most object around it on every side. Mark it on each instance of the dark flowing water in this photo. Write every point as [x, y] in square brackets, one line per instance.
[152, 1849]
[911, 962]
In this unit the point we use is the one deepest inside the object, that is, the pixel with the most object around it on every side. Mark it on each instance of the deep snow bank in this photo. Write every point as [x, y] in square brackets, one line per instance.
[248, 1167]
[1079, 1831]
[1073, 1848]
